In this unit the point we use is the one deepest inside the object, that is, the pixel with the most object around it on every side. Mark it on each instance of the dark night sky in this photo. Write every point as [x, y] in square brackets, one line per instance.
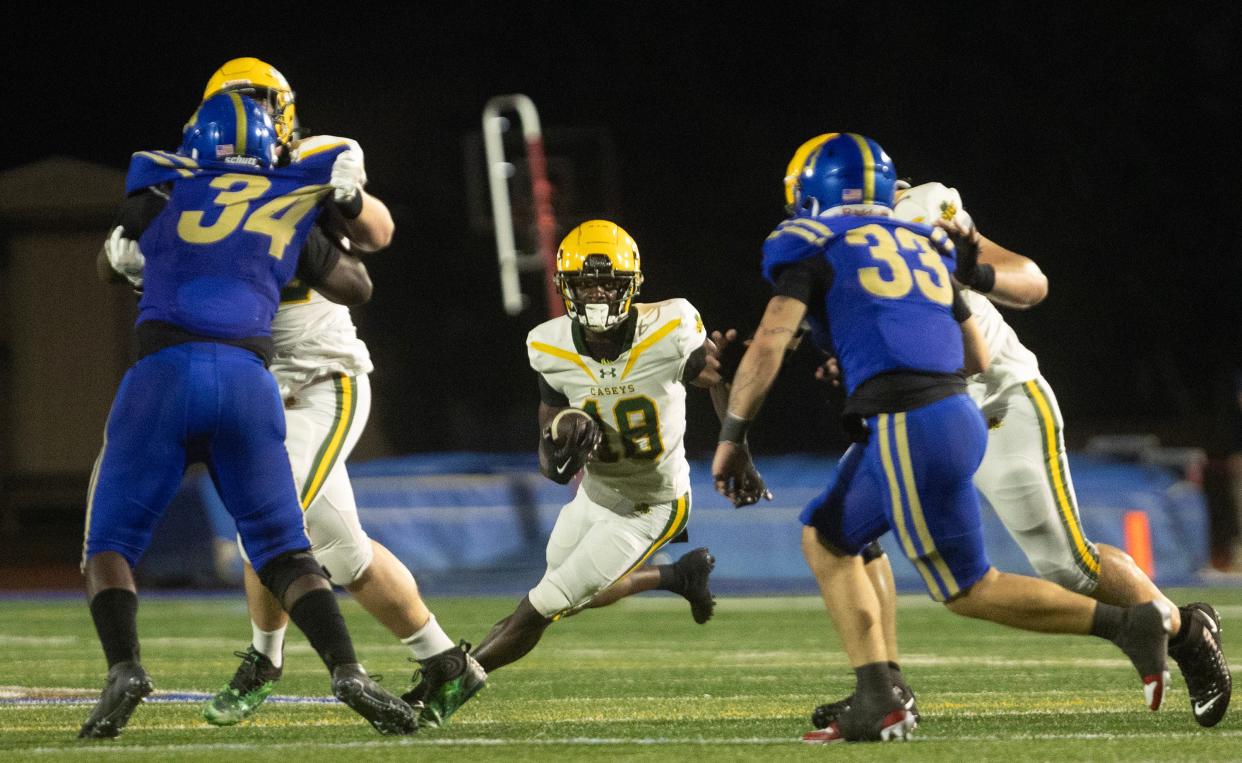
[1100, 143]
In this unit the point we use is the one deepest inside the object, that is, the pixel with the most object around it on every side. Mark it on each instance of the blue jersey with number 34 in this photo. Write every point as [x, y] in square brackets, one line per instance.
[227, 241]
[889, 298]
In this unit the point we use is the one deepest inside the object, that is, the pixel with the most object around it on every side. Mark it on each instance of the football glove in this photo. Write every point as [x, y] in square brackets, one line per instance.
[349, 175]
[125, 257]
[575, 449]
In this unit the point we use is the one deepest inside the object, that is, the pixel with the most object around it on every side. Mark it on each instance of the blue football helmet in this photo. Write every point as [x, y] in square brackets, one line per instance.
[230, 127]
[846, 170]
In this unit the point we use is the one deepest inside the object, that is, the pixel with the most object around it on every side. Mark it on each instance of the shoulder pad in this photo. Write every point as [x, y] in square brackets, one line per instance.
[929, 202]
[793, 240]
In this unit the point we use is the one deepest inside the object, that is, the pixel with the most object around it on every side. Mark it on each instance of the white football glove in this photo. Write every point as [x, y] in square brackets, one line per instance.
[125, 257]
[349, 173]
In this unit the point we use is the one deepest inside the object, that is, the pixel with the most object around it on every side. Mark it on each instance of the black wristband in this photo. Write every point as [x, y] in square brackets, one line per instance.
[984, 280]
[352, 208]
[733, 429]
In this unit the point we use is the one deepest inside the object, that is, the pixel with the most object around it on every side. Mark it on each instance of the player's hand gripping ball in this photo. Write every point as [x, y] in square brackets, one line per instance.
[573, 436]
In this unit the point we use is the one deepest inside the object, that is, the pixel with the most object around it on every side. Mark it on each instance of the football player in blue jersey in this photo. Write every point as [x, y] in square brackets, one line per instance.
[879, 292]
[220, 230]
[317, 349]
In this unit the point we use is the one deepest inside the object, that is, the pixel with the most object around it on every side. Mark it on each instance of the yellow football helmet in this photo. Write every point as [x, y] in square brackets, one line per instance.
[598, 274]
[262, 82]
[798, 161]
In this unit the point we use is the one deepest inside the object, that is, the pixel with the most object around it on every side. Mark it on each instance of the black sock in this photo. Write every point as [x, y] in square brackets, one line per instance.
[1184, 630]
[874, 679]
[115, 612]
[669, 579]
[318, 616]
[1107, 620]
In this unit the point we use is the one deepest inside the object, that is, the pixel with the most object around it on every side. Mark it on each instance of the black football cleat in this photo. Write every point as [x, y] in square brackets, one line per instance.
[826, 714]
[124, 690]
[1202, 663]
[691, 572]
[882, 718]
[385, 712]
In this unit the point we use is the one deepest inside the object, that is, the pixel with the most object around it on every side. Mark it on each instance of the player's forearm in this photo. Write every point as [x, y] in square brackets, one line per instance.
[756, 373]
[1019, 282]
[373, 228]
[720, 398]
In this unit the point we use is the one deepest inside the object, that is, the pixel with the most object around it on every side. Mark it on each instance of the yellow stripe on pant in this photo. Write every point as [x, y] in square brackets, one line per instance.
[681, 513]
[916, 510]
[347, 403]
[900, 523]
[1056, 472]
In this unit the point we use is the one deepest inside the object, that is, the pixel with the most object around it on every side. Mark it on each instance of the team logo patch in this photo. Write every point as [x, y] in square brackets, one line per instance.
[947, 211]
[851, 194]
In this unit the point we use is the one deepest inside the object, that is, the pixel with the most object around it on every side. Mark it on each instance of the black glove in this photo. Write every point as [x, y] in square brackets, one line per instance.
[980, 277]
[568, 458]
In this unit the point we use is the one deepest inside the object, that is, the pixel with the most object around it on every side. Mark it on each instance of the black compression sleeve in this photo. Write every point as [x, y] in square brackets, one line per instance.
[551, 396]
[320, 254]
[961, 310]
[806, 281]
[137, 212]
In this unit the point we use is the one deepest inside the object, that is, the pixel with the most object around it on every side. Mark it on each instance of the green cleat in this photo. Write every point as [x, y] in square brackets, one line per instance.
[448, 680]
[254, 680]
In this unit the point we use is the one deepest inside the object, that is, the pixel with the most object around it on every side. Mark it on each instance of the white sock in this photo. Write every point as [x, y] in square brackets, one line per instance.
[270, 644]
[428, 640]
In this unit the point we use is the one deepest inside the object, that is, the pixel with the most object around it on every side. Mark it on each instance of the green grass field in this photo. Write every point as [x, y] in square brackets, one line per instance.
[638, 680]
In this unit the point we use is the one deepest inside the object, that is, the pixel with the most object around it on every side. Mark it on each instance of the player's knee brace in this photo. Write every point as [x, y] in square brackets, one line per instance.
[871, 552]
[280, 573]
[345, 561]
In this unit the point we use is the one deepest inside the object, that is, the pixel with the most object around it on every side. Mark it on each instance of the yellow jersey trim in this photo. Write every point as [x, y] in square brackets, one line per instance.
[646, 344]
[557, 352]
[302, 155]
[164, 161]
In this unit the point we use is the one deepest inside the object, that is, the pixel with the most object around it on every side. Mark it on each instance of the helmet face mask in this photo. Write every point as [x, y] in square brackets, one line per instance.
[598, 274]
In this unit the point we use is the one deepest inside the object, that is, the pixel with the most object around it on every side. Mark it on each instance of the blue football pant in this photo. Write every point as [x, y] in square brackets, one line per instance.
[913, 476]
[195, 402]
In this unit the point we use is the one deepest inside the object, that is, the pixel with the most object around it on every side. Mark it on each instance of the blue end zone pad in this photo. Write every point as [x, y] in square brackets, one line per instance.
[469, 523]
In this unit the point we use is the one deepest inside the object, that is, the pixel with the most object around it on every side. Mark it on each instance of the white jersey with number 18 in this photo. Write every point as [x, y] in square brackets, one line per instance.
[638, 398]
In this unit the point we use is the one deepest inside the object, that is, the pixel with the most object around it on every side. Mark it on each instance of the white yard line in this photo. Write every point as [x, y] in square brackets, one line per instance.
[580, 741]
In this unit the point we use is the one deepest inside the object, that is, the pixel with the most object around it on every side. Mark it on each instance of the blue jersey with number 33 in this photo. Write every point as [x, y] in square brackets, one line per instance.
[888, 301]
[227, 241]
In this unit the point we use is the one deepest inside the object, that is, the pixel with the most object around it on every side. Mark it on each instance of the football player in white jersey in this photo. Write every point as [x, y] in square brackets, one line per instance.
[614, 372]
[322, 369]
[1025, 473]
